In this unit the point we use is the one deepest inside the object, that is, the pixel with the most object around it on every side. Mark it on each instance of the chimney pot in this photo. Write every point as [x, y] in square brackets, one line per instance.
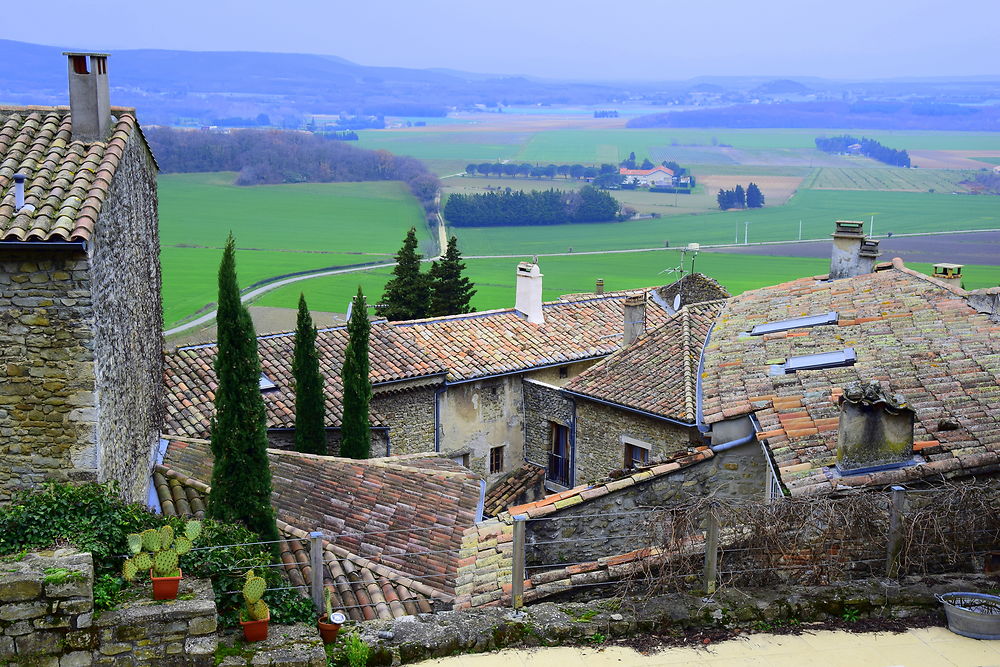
[635, 318]
[89, 95]
[599, 288]
[528, 300]
[852, 254]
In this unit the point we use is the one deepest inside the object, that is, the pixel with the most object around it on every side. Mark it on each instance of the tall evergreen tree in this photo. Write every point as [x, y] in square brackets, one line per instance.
[451, 292]
[310, 418]
[355, 431]
[755, 198]
[241, 478]
[739, 197]
[406, 295]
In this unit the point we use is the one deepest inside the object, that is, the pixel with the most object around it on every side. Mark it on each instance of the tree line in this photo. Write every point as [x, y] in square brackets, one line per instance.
[869, 148]
[752, 197]
[529, 170]
[279, 156]
[548, 207]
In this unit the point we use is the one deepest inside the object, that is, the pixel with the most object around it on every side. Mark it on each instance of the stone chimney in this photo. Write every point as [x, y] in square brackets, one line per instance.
[875, 431]
[853, 254]
[89, 96]
[635, 318]
[599, 287]
[528, 301]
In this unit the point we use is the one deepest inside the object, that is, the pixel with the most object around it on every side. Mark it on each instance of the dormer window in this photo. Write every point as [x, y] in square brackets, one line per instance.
[795, 323]
[811, 362]
[266, 384]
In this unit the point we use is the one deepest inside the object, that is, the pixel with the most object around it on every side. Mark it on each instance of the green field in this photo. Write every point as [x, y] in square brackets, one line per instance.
[898, 212]
[596, 145]
[494, 278]
[283, 229]
[916, 180]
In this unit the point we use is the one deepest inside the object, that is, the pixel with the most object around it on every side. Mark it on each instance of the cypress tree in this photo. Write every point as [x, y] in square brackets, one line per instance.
[310, 434]
[355, 431]
[451, 292]
[241, 478]
[406, 295]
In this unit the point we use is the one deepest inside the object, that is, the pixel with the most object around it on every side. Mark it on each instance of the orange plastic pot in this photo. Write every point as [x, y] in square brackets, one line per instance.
[255, 631]
[165, 588]
[329, 630]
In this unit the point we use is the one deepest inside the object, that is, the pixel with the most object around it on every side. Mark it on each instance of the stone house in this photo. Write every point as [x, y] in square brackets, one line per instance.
[80, 312]
[447, 384]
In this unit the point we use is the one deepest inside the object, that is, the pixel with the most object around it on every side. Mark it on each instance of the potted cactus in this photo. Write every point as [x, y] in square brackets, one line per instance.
[329, 624]
[157, 551]
[256, 613]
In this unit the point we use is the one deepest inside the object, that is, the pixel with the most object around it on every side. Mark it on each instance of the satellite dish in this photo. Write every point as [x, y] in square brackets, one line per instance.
[677, 302]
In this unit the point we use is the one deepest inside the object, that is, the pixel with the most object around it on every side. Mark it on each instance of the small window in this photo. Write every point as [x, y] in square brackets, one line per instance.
[795, 323]
[559, 454]
[266, 384]
[496, 460]
[462, 460]
[809, 362]
[635, 456]
[563, 372]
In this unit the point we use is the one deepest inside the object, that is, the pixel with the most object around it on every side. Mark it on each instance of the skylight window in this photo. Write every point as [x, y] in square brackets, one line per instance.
[811, 362]
[266, 384]
[795, 323]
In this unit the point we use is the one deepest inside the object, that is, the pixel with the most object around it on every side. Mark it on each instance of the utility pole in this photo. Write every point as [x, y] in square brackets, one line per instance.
[746, 232]
[800, 230]
[873, 227]
[737, 239]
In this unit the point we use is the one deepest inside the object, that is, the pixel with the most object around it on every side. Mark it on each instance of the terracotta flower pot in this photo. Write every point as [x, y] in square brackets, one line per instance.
[328, 630]
[255, 631]
[165, 588]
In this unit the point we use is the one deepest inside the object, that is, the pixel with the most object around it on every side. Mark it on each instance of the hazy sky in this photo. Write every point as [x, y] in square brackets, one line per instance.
[645, 39]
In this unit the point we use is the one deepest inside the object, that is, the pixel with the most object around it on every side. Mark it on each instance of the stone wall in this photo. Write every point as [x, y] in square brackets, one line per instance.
[599, 431]
[51, 623]
[410, 416]
[608, 525]
[485, 564]
[128, 321]
[544, 404]
[39, 621]
[47, 404]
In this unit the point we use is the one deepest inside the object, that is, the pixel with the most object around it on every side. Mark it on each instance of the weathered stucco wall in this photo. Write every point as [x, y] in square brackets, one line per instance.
[410, 416]
[477, 416]
[128, 321]
[599, 431]
[607, 526]
[47, 415]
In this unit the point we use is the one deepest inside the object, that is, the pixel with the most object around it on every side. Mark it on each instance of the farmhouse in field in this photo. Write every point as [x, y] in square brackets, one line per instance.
[659, 175]
[80, 313]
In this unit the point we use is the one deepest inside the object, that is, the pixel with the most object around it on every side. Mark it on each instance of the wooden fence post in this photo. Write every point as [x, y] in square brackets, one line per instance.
[517, 565]
[711, 551]
[316, 569]
[894, 541]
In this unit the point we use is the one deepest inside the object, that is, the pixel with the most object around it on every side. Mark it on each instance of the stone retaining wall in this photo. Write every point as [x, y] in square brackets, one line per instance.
[54, 624]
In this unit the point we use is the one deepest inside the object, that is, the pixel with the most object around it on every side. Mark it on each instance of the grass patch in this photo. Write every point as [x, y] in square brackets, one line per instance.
[899, 212]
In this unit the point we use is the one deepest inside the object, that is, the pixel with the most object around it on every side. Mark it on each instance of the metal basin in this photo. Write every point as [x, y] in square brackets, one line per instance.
[974, 615]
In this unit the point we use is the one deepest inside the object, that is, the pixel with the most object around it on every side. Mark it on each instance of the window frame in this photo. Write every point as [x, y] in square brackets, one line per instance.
[630, 445]
[496, 465]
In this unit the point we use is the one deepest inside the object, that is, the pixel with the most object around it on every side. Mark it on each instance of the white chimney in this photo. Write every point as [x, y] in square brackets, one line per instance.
[89, 95]
[529, 292]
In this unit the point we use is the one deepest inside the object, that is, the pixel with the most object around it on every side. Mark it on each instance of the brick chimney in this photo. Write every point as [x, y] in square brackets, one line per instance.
[853, 254]
[875, 430]
[528, 301]
[635, 318]
[89, 96]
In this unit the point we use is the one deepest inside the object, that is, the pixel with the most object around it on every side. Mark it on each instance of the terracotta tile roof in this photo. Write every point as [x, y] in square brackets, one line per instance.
[363, 590]
[191, 383]
[580, 494]
[501, 341]
[406, 513]
[915, 335]
[460, 347]
[657, 373]
[67, 180]
[644, 172]
[516, 484]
